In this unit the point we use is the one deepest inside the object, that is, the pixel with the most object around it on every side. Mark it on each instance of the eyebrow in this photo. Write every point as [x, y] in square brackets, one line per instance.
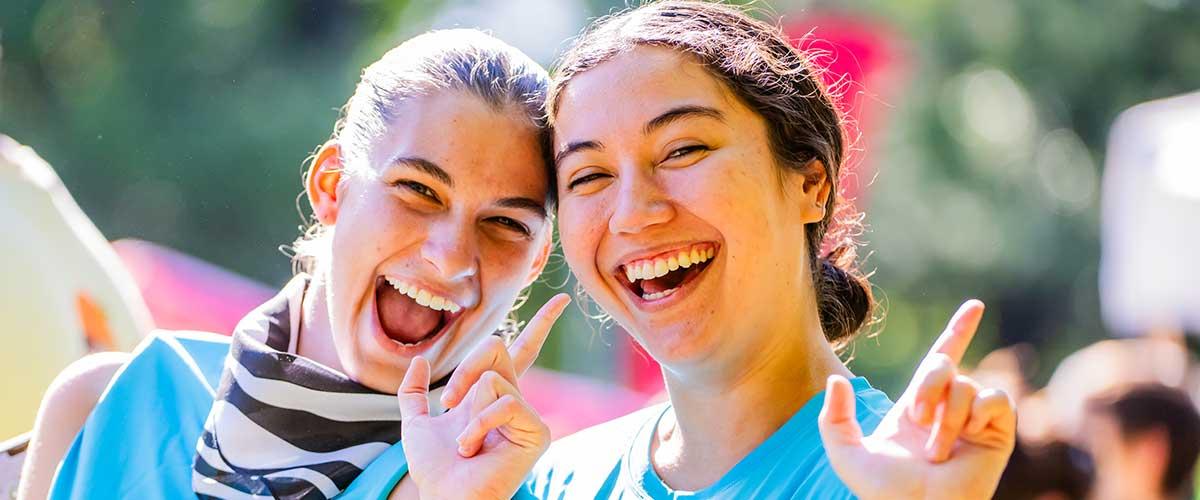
[670, 116]
[576, 147]
[426, 166]
[538, 208]
[681, 113]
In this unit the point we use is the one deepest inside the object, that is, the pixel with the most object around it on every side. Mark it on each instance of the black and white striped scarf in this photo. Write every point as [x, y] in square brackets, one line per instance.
[284, 426]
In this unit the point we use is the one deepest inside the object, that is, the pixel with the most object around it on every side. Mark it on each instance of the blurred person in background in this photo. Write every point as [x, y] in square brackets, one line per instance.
[1144, 442]
[64, 292]
[430, 223]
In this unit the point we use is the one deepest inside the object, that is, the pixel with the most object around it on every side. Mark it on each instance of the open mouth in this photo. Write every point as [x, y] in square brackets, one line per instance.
[410, 314]
[661, 276]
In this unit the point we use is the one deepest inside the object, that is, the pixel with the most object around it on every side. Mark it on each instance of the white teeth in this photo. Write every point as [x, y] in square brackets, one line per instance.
[658, 295]
[424, 297]
[660, 268]
[655, 268]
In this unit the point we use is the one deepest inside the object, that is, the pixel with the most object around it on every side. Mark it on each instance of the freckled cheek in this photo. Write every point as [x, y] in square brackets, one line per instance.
[581, 227]
[504, 268]
[708, 197]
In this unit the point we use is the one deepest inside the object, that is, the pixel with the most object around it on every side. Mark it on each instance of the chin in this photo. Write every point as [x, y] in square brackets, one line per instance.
[678, 343]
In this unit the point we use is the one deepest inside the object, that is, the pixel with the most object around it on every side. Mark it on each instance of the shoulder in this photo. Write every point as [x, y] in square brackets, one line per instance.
[75, 391]
[64, 409]
[194, 351]
[588, 458]
[871, 405]
[180, 341]
[153, 410]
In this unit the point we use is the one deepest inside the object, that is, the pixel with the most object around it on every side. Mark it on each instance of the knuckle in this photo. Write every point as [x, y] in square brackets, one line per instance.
[508, 402]
[939, 364]
[492, 344]
[965, 385]
[490, 378]
[997, 397]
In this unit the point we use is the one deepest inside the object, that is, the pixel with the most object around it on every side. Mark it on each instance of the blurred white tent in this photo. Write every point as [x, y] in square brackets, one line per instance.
[1150, 253]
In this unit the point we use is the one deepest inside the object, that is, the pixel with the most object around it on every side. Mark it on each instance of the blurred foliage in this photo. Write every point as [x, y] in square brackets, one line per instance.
[187, 123]
[989, 172]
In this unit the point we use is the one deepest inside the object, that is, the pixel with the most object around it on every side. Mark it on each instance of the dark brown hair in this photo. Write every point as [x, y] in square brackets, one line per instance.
[1155, 407]
[757, 63]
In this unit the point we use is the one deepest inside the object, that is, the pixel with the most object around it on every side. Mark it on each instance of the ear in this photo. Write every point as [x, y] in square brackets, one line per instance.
[543, 256]
[815, 189]
[322, 180]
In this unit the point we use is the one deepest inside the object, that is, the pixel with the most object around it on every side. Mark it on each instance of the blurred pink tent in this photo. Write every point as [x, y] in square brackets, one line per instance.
[186, 293]
[865, 66]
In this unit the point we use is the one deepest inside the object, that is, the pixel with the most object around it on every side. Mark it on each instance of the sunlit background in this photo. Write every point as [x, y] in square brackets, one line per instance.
[982, 138]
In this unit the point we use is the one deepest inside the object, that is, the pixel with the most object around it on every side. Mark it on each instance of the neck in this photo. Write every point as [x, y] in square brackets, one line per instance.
[315, 340]
[719, 418]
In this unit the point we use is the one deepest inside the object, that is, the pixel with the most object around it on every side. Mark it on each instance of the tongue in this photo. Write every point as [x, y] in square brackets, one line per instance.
[667, 282]
[402, 318]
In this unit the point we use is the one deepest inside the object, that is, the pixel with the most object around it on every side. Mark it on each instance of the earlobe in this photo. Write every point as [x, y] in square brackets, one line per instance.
[321, 183]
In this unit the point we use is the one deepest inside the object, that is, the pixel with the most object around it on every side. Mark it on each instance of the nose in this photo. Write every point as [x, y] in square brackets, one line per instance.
[640, 204]
[451, 248]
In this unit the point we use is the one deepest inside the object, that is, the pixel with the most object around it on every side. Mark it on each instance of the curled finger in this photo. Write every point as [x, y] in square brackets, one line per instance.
[490, 355]
[508, 413]
[993, 419]
[930, 388]
[955, 412]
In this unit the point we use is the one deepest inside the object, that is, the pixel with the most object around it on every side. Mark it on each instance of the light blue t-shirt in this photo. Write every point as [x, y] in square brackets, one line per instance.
[140, 440]
[612, 460]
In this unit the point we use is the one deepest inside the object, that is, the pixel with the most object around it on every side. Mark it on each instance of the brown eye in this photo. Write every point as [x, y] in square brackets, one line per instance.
[512, 225]
[585, 179]
[418, 188]
[685, 151]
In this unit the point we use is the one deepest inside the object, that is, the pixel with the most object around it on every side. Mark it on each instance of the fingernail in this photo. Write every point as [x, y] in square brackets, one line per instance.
[462, 450]
[933, 454]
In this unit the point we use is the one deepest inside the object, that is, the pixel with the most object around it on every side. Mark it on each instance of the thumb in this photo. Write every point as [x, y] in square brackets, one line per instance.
[839, 427]
[414, 390]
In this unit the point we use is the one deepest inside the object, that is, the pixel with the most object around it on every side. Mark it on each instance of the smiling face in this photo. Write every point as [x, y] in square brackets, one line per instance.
[674, 214]
[435, 231]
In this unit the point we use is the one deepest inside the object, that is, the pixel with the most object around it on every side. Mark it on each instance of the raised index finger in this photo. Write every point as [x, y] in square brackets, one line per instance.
[954, 341]
[525, 349]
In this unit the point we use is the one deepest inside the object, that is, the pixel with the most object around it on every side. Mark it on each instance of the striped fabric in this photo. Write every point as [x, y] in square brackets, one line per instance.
[283, 426]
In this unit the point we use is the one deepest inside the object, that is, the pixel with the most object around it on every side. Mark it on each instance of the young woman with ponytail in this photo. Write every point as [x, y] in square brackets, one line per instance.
[697, 157]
